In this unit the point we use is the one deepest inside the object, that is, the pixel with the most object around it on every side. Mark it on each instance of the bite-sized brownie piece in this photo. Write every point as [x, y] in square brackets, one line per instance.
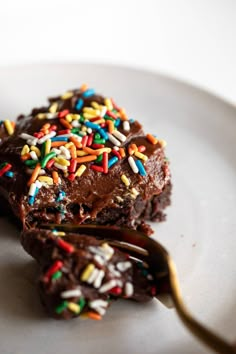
[81, 160]
[80, 274]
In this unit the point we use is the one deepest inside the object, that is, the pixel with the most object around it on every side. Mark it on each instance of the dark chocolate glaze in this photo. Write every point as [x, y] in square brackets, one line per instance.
[43, 246]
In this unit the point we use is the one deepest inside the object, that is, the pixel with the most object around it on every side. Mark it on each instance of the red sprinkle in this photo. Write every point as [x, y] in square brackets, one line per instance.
[94, 119]
[53, 269]
[5, 169]
[71, 177]
[73, 165]
[105, 162]
[141, 148]
[65, 246]
[97, 168]
[97, 146]
[103, 125]
[62, 132]
[38, 135]
[116, 290]
[90, 140]
[84, 141]
[153, 291]
[111, 114]
[63, 113]
[50, 163]
[117, 154]
[53, 127]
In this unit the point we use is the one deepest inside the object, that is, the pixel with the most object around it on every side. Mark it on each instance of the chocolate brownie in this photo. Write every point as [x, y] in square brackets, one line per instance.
[80, 274]
[81, 160]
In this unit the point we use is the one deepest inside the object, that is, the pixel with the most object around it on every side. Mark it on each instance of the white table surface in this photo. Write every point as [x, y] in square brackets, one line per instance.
[193, 40]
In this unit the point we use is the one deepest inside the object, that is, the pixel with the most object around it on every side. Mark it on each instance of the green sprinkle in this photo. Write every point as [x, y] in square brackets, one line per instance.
[99, 158]
[82, 119]
[99, 141]
[60, 308]
[81, 303]
[43, 149]
[74, 130]
[3, 164]
[31, 163]
[57, 275]
[108, 118]
[47, 158]
[97, 136]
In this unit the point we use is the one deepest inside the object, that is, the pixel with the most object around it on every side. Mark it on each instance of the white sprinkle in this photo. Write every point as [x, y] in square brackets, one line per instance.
[57, 151]
[38, 183]
[65, 152]
[29, 171]
[149, 277]
[134, 192]
[119, 135]
[129, 289]
[89, 130]
[126, 126]
[34, 155]
[93, 276]
[46, 137]
[99, 259]
[98, 281]
[33, 142]
[123, 266]
[75, 124]
[119, 283]
[32, 190]
[111, 268]
[82, 133]
[99, 302]
[103, 111]
[71, 293]
[79, 138]
[103, 251]
[107, 286]
[132, 164]
[113, 140]
[61, 167]
[26, 136]
[116, 148]
[51, 115]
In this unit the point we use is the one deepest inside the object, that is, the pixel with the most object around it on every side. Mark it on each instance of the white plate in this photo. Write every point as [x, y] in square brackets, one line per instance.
[200, 230]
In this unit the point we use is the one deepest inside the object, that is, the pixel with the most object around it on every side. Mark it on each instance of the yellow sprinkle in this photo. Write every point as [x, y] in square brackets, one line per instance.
[99, 121]
[75, 116]
[95, 105]
[80, 170]
[68, 145]
[48, 146]
[125, 180]
[83, 129]
[46, 179]
[36, 149]
[89, 115]
[86, 273]
[81, 153]
[141, 156]
[73, 307]
[91, 110]
[8, 127]
[67, 95]
[41, 115]
[25, 150]
[108, 104]
[63, 162]
[163, 143]
[53, 108]
[59, 233]
[70, 117]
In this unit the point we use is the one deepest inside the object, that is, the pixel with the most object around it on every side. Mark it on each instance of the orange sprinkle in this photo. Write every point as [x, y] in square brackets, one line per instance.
[35, 174]
[110, 126]
[25, 157]
[152, 139]
[94, 316]
[122, 152]
[13, 124]
[83, 87]
[132, 149]
[57, 143]
[73, 151]
[45, 126]
[86, 158]
[65, 123]
[76, 142]
[55, 177]
[123, 114]
[96, 152]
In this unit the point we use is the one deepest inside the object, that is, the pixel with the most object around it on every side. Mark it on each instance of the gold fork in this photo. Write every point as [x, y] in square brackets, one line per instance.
[163, 267]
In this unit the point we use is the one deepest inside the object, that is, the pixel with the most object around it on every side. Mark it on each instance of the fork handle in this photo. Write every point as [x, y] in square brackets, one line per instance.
[211, 339]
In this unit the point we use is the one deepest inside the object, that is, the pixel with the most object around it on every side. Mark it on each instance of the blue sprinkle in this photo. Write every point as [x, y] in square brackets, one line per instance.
[117, 122]
[88, 93]
[79, 104]
[31, 200]
[112, 161]
[59, 138]
[103, 134]
[9, 174]
[92, 125]
[60, 196]
[141, 168]
[131, 120]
